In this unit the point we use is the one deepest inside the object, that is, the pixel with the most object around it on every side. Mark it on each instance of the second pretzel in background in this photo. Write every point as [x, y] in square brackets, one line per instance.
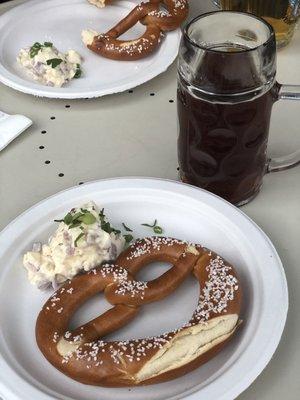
[158, 17]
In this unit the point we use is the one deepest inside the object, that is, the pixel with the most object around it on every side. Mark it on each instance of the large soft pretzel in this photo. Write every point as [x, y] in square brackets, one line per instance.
[157, 21]
[86, 357]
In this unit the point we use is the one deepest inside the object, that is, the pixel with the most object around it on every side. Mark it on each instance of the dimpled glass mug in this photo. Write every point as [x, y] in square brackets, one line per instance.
[226, 89]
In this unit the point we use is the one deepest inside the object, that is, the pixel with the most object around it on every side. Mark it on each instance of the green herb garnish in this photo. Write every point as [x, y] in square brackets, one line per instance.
[150, 226]
[54, 62]
[35, 49]
[68, 219]
[87, 218]
[78, 238]
[75, 220]
[105, 225]
[75, 216]
[78, 72]
[108, 228]
[101, 214]
[157, 229]
[128, 238]
[126, 228]
[74, 224]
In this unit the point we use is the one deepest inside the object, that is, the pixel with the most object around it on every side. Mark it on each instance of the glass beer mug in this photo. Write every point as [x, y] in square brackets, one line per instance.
[281, 14]
[226, 89]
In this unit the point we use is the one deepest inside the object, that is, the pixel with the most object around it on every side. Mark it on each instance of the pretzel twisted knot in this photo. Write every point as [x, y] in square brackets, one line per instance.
[83, 354]
[150, 14]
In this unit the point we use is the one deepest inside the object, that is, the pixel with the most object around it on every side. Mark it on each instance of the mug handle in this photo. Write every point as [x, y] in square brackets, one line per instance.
[286, 92]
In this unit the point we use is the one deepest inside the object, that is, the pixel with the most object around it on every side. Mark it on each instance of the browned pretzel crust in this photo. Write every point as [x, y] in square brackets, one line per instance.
[86, 357]
[157, 21]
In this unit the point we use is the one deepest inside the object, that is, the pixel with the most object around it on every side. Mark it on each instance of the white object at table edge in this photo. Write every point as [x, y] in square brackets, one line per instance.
[12, 126]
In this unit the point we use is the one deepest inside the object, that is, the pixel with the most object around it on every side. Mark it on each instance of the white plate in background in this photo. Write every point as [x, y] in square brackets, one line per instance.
[185, 213]
[61, 22]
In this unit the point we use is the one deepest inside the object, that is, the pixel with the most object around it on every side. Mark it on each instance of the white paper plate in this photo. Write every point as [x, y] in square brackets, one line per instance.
[184, 212]
[61, 22]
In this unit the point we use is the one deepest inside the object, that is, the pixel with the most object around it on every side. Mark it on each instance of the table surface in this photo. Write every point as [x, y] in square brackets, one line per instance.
[132, 134]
